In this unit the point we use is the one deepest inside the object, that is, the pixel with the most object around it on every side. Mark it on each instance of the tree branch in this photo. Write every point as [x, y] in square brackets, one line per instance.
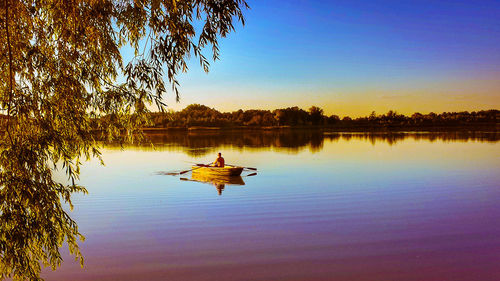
[10, 69]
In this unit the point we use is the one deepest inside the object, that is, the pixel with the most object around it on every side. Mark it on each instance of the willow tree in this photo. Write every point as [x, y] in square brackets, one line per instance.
[61, 68]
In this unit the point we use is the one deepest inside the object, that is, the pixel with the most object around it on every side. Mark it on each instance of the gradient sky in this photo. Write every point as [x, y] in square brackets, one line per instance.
[351, 57]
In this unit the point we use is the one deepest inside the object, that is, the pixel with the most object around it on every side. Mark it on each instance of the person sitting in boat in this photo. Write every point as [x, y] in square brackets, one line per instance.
[219, 162]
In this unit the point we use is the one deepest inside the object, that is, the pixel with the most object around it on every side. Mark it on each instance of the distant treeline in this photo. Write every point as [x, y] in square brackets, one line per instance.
[201, 116]
[196, 115]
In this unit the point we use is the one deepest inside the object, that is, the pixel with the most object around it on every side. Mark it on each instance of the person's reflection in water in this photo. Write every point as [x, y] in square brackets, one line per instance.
[219, 187]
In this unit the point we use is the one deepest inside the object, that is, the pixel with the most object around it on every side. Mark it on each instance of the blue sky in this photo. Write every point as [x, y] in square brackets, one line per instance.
[352, 57]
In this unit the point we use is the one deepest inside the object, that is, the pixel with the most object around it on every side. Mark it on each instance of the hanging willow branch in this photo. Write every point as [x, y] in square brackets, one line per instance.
[64, 86]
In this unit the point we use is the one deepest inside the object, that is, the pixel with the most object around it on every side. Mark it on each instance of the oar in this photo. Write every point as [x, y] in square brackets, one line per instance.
[249, 175]
[167, 173]
[199, 166]
[183, 172]
[249, 168]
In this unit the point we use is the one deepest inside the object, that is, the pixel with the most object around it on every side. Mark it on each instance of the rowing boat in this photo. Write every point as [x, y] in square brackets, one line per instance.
[227, 170]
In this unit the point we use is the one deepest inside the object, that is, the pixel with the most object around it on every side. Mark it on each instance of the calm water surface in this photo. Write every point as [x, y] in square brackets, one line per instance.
[322, 207]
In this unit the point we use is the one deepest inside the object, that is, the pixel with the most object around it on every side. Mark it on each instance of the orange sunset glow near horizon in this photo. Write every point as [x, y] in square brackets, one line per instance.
[355, 102]
[351, 58]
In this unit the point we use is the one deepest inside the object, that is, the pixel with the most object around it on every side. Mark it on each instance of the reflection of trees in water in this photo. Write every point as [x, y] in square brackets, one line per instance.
[395, 137]
[292, 141]
[202, 143]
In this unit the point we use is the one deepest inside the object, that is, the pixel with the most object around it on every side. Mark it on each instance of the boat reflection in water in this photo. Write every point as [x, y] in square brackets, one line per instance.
[218, 181]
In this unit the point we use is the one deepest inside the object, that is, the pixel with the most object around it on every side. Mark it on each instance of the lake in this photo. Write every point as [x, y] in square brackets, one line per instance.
[323, 206]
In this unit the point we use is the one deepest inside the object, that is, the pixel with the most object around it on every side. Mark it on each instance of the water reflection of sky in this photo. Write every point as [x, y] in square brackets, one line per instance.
[350, 209]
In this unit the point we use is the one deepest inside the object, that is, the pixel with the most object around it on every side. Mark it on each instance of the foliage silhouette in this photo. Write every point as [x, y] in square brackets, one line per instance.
[59, 65]
[202, 116]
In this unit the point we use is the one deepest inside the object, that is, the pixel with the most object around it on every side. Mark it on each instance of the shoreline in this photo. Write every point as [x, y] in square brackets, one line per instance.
[377, 129]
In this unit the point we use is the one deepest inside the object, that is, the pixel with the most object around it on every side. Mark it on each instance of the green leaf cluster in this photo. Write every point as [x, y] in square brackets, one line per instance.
[61, 68]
